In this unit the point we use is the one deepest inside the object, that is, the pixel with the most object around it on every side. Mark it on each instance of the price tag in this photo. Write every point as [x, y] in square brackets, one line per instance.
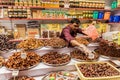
[15, 73]
[23, 55]
[37, 36]
[66, 5]
[91, 55]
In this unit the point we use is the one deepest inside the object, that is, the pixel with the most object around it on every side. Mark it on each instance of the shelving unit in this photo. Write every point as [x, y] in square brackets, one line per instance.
[47, 19]
[38, 7]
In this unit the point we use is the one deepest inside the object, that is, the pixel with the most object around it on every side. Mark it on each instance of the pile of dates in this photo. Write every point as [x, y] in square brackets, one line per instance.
[22, 78]
[30, 43]
[55, 58]
[2, 60]
[108, 48]
[17, 62]
[5, 44]
[79, 55]
[82, 41]
[98, 70]
[55, 43]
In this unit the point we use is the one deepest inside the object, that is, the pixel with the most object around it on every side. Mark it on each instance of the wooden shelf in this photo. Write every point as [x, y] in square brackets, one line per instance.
[92, 9]
[114, 23]
[45, 19]
[118, 8]
[39, 7]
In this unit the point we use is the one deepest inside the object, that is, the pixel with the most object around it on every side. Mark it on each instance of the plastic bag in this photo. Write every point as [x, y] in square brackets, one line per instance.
[91, 31]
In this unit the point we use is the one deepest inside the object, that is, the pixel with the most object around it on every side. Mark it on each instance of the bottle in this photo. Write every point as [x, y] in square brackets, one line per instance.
[34, 2]
[30, 3]
[16, 2]
[21, 3]
[39, 3]
[25, 2]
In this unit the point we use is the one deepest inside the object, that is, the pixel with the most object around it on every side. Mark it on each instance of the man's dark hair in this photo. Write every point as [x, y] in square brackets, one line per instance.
[75, 20]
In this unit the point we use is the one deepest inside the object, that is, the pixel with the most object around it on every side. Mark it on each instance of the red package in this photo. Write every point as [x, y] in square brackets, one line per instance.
[91, 31]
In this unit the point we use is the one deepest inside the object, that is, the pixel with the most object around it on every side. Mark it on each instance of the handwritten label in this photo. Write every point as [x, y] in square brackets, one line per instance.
[66, 5]
[15, 73]
[91, 56]
[23, 55]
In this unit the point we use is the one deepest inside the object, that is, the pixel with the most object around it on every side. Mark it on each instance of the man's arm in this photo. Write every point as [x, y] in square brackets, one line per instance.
[81, 31]
[72, 41]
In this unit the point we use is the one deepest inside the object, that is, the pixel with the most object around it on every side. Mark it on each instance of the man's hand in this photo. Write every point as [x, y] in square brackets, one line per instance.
[86, 51]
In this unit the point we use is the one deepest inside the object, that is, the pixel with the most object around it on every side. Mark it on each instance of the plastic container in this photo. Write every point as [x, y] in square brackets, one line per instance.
[107, 15]
[100, 15]
[111, 18]
[116, 19]
[95, 15]
[114, 5]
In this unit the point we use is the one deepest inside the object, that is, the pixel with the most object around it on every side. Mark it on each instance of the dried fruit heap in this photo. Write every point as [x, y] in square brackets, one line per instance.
[31, 43]
[97, 70]
[55, 58]
[16, 62]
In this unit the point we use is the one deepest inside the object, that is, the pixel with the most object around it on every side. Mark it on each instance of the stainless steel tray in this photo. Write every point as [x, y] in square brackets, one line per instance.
[109, 57]
[3, 52]
[55, 47]
[80, 60]
[55, 65]
[11, 69]
[31, 49]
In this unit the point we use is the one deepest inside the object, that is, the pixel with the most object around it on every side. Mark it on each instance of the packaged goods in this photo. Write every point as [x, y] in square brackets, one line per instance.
[107, 15]
[33, 32]
[92, 32]
[45, 34]
[20, 31]
[51, 34]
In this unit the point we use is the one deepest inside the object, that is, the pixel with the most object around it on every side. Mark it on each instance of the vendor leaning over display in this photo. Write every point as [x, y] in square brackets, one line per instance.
[70, 32]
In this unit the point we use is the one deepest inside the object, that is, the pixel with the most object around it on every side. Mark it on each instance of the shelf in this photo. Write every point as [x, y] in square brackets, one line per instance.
[39, 7]
[33, 19]
[94, 19]
[61, 19]
[114, 23]
[118, 8]
[92, 9]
